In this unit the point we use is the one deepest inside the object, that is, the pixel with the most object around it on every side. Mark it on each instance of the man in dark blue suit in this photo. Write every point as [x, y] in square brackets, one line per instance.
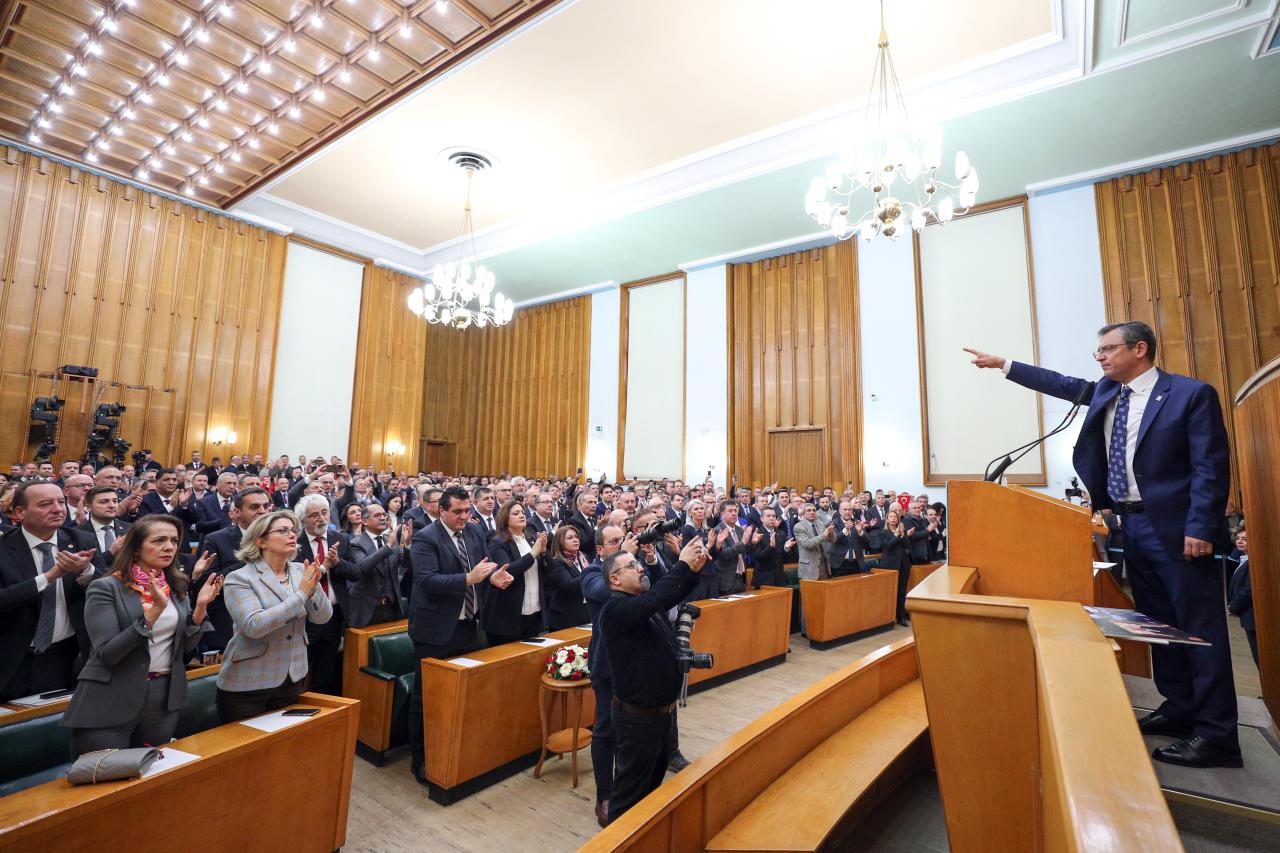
[449, 567]
[1153, 449]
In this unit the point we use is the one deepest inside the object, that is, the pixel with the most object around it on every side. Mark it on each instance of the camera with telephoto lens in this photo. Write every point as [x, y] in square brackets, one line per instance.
[686, 657]
[655, 532]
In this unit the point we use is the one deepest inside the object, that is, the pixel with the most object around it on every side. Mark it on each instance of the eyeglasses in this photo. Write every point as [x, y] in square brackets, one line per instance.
[1108, 349]
[287, 531]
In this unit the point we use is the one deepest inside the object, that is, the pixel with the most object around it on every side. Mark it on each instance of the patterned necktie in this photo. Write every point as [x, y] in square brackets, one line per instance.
[108, 536]
[48, 602]
[469, 602]
[1117, 475]
[320, 555]
[382, 542]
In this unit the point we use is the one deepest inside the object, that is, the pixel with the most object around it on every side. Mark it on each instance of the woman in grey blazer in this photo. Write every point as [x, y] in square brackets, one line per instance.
[142, 627]
[270, 600]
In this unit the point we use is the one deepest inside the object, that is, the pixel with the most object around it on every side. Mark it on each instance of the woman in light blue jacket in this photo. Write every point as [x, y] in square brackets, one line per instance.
[270, 599]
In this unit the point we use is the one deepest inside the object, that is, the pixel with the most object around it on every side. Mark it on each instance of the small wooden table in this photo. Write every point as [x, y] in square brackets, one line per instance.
[566, 740]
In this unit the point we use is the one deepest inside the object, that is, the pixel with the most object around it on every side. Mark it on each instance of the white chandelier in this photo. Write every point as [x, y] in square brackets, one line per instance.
[460, 293]
[891, 162]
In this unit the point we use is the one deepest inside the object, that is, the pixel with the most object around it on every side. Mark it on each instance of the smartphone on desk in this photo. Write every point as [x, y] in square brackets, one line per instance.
[55, 694]
[300, 712]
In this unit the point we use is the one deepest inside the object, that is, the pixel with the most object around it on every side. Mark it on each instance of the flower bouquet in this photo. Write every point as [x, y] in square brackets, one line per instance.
[568, 663]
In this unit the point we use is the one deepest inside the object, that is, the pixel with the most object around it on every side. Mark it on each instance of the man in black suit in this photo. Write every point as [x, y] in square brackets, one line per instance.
[222, 545]
[845, 551]
[482, 506]
[584, 522]
[937, 551]
[675, 509]
[149, 464]
[729, 544]
[543, 519]
[74, 489]
[378, 555]
[318, 544]
[168, 499]
[44, 568]
[106, 528]
[770, 551]
[449, 569]
[746, 511]
[918, 530]
[215, 508]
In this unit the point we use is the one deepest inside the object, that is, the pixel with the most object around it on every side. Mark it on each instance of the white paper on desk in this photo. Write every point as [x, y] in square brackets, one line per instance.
[1098, 565]
[586, 627]
[34, 700]
[741, 595]
[4, 711]
[169, 759]
[465, 661]
[539, 641]
[723, 598]
[272, 722]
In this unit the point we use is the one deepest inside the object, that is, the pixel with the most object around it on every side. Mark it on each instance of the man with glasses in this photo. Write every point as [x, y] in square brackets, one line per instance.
[378, 555]
[320, 544]
[1153, 449]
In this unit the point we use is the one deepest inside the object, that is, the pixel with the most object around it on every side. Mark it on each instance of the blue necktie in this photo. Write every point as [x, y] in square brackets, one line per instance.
[1117, 475]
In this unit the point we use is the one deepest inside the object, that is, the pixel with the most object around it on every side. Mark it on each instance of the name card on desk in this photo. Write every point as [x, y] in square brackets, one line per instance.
[169, 759]
[272, 722]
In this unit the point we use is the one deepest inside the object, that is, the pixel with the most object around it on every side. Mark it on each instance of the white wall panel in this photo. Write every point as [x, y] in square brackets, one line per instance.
[653, 444]
[707, 356]
[315, 354]
[975, 291]
[602, 407]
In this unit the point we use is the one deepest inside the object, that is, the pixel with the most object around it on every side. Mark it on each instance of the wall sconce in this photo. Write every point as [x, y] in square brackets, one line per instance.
[393, 448]
[221, 435]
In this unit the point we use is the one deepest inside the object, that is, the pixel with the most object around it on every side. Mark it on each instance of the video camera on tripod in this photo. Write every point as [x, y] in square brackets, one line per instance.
[686, 657]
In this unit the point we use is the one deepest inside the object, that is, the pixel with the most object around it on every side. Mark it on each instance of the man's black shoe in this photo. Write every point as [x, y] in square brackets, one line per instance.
[677, 762]
[1156, 723]
[1197, 751]
[602, 813]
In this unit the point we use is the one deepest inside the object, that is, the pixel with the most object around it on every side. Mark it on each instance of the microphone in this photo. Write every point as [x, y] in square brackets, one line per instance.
[1082, 397]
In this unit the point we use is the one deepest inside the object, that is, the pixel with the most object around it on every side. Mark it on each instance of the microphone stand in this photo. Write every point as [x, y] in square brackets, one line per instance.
[991, 476]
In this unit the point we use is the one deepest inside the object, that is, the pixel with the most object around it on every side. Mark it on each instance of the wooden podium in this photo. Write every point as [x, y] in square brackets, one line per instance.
[1257, 412]
[1034, 739]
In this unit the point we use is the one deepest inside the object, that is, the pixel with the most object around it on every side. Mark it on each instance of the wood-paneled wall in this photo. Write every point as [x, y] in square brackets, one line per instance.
[386, 402]
[1194, 250]
[512, 398]
[176, 306]
[793, 362]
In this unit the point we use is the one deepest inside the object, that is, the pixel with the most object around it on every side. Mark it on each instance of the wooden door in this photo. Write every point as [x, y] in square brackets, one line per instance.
[796, 458]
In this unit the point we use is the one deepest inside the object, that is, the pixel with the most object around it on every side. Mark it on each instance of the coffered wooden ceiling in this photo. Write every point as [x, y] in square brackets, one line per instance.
[214, 99]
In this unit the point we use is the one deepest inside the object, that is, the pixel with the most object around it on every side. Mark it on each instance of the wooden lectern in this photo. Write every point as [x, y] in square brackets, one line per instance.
[1257, 417]
[1034, 739]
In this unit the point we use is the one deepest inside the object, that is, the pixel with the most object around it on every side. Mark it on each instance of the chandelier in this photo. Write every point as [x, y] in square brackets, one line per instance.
[896, 165]
[460, 293]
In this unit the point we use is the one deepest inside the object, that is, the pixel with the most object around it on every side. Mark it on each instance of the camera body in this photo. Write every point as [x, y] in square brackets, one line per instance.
[655, 532]
[686, 657]
[1075, 491]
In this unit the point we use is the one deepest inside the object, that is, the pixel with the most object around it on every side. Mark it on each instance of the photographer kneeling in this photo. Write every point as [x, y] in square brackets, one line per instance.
[646, 676]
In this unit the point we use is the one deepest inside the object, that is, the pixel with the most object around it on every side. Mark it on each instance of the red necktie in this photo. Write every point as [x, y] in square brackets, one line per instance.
[324, 576]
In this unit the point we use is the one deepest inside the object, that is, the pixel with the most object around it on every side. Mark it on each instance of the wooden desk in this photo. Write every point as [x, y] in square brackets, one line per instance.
[19, 714]
[842, 608]
[231, 794]
[744, 634]
[919, 573]
[375, 696]
[481, 722]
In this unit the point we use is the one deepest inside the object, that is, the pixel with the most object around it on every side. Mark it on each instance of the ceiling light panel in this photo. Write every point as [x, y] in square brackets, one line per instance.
[215, 100]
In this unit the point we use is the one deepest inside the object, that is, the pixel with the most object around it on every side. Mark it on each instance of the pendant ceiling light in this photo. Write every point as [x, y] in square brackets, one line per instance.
[887, 182]
[460, 293]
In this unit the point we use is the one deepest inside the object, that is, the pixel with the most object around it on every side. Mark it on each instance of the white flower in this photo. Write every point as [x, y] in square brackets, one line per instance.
[565, 670]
